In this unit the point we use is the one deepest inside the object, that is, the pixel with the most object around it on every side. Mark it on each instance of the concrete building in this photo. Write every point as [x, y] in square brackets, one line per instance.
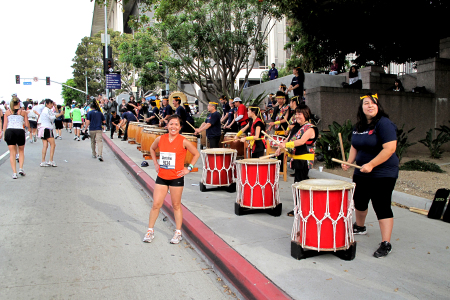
[115, 17]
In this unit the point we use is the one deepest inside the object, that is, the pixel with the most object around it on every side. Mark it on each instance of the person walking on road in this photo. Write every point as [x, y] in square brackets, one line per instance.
[76, 121]
[32, 119]
[45, 132]
[94, 121]
[67, 119]
[59, 122]
[171, 172]
[374, 141]
[14, 120]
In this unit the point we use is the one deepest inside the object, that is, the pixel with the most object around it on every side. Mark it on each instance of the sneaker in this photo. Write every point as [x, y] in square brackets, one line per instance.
[35, 139]
[52, 164]
[31, 141]
[149, 236]
[70, 131]
[176, 237]
[57, 136]
[78, 139]
[94, 156]
[14, 176]
[384, 249]
[75, 138]
[17, 157]
[60, 138]
[22, 172]
[67, 129]
[43, 164]
[359, 229]
[100, 158]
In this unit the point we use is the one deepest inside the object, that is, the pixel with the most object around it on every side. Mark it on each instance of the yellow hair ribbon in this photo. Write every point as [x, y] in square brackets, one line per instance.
[214, 103]
[373, 96]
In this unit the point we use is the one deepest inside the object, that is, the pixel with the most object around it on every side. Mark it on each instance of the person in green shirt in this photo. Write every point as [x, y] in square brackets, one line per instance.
[76, 121]
[67, 119]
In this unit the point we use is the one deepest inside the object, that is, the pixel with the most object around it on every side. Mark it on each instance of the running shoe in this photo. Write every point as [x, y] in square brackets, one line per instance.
[75, 138]
[17, 157]
[22, 172]
[31, 141]
[359, 229]
[60, 138]
[149, 236]
[94, 156]
[52, 164]
[43, 164]
[78, 139]
[70, 131]
[35, 139]
[100, 158]
[176, 237]
[14, 176]
[56, 137]
[384, 249]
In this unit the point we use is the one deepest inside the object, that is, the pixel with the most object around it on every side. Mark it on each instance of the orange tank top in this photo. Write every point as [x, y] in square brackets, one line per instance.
[171, 157]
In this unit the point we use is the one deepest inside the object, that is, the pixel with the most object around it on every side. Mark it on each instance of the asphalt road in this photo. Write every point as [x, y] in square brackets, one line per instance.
[75, 232]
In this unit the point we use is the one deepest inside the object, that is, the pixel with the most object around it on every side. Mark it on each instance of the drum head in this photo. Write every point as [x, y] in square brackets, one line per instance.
[323, 185]
[257, 161]
[190, 138]
[218, 151]
[134, 123]
[230, 133]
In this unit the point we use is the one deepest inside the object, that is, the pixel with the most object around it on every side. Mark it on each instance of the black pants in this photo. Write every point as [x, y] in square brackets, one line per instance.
[214, 142]
[108, 120]
[301, 169]
[257, 154]
[113, 129]
[281, 157]
[125, 135]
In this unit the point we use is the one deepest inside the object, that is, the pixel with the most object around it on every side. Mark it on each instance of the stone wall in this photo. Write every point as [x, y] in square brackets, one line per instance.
[423, 111]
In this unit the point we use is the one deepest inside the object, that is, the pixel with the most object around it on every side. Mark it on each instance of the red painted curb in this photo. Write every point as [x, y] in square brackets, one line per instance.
[245, 277]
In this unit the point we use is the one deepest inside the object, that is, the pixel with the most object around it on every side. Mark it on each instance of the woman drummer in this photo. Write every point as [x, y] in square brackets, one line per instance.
[293, 104]
[374, 141]
[280, 114]
[257, 144]
[171, 172]
[301, 144]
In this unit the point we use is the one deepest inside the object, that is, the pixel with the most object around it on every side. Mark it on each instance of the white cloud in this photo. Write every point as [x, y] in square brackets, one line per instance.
[39, 38]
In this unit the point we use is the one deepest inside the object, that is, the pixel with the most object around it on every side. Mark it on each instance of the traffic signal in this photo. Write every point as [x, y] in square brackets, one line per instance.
[108, 65]
[17, 79]
[47, 80]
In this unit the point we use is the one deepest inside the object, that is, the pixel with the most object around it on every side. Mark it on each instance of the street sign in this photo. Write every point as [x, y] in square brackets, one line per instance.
[102, 37]
[35, 79]
[113, 81]
[27, 83]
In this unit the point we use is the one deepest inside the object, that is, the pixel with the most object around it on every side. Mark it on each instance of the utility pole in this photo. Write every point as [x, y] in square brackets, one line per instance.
[106, 41]
[167, 80]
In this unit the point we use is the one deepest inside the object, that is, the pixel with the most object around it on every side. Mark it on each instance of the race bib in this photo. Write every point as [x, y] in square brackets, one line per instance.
[167, 160]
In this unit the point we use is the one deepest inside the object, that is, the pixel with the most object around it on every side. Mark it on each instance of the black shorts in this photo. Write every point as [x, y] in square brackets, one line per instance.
[15, 137]
[67, 120]
[76, 125]
[59, 124]
[172, 182]
[48, 134]
[33, 124]
[379, 190]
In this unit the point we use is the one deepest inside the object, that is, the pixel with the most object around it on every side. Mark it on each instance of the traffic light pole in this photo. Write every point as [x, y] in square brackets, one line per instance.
[106, 42]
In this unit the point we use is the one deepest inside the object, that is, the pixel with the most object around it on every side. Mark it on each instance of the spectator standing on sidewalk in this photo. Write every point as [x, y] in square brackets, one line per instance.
[45, 132]
[14, 121]
[59, 122]
[273, 72]
[297, 82]
[122, 107]
[94, 121]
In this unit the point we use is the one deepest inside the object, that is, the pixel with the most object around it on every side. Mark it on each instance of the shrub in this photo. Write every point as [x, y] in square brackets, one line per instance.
[423, 166]
[434, 145]
[328, 143]
[402, 142]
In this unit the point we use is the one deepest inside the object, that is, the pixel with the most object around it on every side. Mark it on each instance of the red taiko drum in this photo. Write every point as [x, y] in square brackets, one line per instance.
[323, 214]
[257, 183]
[218, 166]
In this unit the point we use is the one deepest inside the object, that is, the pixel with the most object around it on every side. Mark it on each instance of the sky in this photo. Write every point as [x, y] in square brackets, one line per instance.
[39, 39]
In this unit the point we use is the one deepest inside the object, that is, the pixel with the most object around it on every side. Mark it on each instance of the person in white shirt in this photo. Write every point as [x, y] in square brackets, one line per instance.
[32, 119]
[45, 132]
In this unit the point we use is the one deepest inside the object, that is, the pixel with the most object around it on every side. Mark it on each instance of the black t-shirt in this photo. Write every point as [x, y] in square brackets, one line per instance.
[129, 107]
[182, 113]
[115, 119]
[214, 120]
[226, 108]
[166, 111]
[152, 113]
[300, 79]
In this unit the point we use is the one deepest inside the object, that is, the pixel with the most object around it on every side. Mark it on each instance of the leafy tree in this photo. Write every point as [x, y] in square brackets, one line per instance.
[69, 94]
[211, 41]
[88, 61]
[327, 29]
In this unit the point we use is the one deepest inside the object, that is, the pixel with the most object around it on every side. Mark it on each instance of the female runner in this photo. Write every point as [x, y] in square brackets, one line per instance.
[171, 172]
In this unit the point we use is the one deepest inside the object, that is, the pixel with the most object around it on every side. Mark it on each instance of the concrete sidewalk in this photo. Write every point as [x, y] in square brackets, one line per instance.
[416, 268]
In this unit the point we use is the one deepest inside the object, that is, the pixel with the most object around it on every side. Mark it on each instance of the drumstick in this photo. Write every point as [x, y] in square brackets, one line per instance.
[238, 139]
[267, 156]
[270, 138]
[342, 146]
[345, 163]
[190, 125]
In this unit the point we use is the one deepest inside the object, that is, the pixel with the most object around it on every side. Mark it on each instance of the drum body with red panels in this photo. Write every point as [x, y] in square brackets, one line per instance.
[218, 166]
[257, 183]
[323, 214]
[271, 145]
